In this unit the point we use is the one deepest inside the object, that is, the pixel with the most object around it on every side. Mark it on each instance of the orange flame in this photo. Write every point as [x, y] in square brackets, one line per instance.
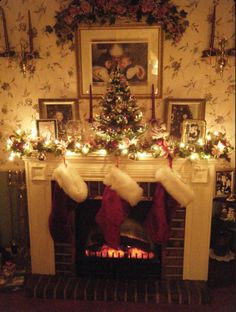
[108, 252]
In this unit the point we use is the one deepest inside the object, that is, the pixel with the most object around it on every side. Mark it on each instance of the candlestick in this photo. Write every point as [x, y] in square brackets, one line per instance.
[213, 22]
[30, 32]
[5, 30]
[153, 105]
[90, 104]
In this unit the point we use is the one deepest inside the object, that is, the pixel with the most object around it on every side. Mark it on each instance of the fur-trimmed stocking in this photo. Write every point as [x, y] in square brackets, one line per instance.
[120, 193]
[60, 219]
[113, 212]
[69, 189]
[173, 184]
[157, 222]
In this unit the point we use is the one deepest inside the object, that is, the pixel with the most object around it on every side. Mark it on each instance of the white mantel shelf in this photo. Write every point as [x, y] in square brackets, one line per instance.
[94, 168]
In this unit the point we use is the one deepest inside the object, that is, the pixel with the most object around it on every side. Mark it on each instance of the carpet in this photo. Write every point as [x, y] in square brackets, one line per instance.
[116, 290]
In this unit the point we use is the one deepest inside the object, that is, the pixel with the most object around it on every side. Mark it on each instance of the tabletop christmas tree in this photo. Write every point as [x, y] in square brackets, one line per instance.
[118, 126]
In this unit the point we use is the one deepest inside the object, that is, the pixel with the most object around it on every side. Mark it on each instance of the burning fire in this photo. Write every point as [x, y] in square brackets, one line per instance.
[108, 252]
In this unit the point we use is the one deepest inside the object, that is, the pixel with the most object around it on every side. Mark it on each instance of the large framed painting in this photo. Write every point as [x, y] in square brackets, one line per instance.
[62, 110]
[178, 110]
[135, 49]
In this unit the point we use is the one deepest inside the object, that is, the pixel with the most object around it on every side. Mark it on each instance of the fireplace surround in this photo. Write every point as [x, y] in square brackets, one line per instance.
[199, 174]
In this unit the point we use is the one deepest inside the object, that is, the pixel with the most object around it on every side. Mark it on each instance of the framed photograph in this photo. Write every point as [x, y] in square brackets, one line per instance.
[47, 129]
[177, 110]
[135, 49]
[193, 131]
[224, 183]
[62, 110]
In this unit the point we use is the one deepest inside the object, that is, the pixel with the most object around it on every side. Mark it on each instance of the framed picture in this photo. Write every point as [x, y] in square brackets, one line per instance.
[62, 110]
[135, 49]
[47, 129]
[224, 183]
[177, 110]
[193, 131]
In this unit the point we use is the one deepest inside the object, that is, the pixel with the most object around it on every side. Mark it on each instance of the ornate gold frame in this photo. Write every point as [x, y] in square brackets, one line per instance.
[119, 33]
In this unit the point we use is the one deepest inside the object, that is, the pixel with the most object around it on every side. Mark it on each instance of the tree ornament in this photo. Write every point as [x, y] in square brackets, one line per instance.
[133, 156]
[42, 156]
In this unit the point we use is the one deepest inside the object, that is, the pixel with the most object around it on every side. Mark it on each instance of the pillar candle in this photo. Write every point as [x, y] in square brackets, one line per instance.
[90, 104]
[30, 31]
[7, 46]
[153, 104]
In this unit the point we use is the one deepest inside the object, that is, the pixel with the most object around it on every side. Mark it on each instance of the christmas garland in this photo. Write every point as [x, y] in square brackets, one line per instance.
[217, 146]
[172, 20]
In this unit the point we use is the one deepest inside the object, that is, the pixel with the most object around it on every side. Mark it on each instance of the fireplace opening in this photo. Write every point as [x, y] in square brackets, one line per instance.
[136, 256]
[87, 254]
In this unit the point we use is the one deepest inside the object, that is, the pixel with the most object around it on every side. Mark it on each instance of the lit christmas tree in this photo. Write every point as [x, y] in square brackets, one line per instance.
[119, 124]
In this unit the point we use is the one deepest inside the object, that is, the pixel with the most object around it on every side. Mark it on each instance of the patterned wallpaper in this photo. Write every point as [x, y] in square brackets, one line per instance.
[185, 75]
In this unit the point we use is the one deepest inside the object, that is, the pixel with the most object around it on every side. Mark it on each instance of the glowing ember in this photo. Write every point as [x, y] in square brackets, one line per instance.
[108, 252]
[139, 254]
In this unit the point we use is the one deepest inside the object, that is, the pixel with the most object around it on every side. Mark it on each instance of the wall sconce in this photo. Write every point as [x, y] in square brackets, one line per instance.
[221, 53]
[26, 58]
[8, 51]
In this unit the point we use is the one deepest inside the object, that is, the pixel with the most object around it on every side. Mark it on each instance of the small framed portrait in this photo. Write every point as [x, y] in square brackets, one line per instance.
[135, 49]
[194, 131]
[178, 110]
[47, 129]
[62, 110]
[224, 183]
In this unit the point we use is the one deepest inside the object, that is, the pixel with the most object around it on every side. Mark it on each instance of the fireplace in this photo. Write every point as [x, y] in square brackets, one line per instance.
[187, 249]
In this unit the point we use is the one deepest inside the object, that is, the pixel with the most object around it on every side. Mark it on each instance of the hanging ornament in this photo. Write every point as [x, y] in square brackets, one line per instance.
[42, 156]
[133, 156]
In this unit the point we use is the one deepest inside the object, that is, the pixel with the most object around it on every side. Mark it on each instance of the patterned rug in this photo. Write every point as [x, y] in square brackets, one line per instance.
[120, 290]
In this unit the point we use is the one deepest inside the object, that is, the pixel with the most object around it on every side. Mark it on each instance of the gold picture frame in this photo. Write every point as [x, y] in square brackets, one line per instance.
[137, 49]
[47, 129]
[177, 110]
[224, 186]
[194, 131]
[61, 110]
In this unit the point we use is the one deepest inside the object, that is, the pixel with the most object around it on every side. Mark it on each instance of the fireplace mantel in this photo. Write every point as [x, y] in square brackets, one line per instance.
[199, 174]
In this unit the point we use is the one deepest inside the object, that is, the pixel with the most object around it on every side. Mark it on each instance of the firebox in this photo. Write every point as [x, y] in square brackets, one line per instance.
[136, 256]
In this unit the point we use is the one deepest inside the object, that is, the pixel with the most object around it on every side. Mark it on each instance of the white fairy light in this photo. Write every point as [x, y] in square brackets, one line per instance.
[124, 151]
[85, 149]
[11, 156]
[70, 153]
[181, 144]
[142, 155]
[208, 137]
[194, 156]
[133, 141]
[200, 142]
[220, 146]
[102, 152]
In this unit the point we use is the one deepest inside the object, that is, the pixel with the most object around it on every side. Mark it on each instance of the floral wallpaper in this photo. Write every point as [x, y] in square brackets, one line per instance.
[185, 74]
